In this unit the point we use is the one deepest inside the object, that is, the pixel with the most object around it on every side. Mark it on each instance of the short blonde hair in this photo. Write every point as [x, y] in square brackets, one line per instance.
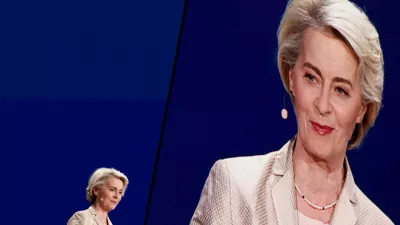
[348, 22]
[99, 177]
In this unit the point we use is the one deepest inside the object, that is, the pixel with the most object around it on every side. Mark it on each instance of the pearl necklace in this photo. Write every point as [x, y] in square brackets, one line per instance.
[312, 204]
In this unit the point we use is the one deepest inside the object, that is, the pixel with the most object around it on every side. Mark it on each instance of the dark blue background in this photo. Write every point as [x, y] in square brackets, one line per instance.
[83, 84]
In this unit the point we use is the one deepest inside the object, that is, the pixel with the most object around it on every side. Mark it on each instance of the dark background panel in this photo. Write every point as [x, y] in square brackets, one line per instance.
[227, 99]
[83, 85]
[94, 48]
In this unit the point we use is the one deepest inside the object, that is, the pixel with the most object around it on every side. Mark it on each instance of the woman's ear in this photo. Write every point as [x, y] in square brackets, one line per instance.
[96, 191]
[361, 114]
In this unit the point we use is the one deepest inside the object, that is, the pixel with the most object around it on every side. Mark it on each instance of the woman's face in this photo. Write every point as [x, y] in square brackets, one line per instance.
[110, 194]
[327, 93]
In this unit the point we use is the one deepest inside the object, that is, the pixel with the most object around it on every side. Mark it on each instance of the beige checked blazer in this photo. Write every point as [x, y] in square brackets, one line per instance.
[86, 217]
[259, 190]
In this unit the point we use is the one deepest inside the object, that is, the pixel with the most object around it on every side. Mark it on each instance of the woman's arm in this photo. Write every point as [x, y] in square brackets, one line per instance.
[214, 207]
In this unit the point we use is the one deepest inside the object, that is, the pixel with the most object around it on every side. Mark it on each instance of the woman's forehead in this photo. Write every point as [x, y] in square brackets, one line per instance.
[328, 53]
[115, 182]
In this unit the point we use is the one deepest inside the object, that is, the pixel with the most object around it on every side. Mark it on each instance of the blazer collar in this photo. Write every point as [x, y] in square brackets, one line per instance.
[284, 193]
[96, 218]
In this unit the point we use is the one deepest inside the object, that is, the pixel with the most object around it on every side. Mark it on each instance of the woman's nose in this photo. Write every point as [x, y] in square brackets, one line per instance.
[322, 103]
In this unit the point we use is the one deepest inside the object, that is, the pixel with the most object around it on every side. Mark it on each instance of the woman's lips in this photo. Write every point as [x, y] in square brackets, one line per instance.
[320, 129]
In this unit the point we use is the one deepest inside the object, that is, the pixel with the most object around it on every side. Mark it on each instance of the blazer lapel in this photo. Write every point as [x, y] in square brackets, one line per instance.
[284, 201]
[283, 192]
[96, 218]
[109, 221]
[344, 211]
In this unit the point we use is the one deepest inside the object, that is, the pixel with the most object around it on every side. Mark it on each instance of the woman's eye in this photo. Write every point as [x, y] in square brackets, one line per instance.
[341, 91]
[310, 77]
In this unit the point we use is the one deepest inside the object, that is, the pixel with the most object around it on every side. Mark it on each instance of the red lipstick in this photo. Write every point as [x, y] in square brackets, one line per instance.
[320, 129]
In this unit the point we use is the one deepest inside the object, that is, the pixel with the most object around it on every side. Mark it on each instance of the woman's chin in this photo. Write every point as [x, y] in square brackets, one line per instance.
[321, 153]
[111, 207]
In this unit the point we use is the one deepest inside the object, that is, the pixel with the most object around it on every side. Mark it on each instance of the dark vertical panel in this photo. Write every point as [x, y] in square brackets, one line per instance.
[160, 143]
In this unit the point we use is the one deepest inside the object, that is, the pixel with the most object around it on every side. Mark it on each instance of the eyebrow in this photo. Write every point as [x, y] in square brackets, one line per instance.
[336, 79]
[116, 188]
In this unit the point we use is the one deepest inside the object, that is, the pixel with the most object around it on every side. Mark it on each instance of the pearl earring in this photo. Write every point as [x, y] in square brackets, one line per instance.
[284, 112]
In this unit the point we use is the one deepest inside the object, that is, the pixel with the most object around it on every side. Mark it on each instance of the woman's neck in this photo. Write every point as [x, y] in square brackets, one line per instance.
[318, 179]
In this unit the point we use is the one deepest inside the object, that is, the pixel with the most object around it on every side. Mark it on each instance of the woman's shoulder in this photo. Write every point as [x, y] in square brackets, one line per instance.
[79, 217]
[367, 211]
[248, 164]
[255, 163]
[248, 169]
[244, 169]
